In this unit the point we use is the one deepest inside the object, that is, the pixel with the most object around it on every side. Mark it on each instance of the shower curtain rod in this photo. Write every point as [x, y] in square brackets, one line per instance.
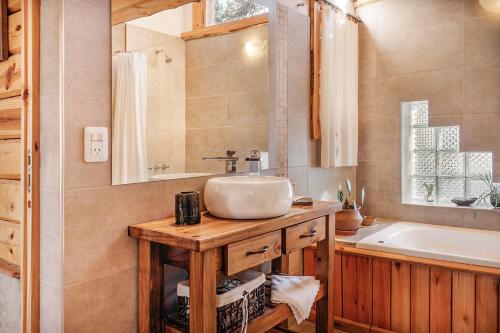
[352, 16]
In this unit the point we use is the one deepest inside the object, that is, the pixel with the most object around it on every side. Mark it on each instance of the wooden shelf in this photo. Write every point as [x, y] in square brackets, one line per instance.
[10, 269]
[273, 316]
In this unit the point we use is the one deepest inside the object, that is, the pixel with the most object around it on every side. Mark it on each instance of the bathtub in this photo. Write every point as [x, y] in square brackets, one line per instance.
[468, 246]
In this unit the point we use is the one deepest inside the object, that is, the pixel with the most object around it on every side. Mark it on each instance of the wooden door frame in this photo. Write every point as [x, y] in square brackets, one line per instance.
[30, 73]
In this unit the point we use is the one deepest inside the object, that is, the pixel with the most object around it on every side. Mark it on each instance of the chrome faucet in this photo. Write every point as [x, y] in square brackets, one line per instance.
[230, 160]
[253, 162]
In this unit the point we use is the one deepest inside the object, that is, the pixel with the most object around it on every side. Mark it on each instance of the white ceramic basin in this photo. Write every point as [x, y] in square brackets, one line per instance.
[248, 197]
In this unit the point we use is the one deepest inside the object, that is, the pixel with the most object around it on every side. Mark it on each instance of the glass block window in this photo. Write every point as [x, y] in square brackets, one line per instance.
[221, 11]
[432, 157]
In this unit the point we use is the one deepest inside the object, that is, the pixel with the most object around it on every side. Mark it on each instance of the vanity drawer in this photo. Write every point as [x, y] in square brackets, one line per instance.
[304, 234]
[251, 252]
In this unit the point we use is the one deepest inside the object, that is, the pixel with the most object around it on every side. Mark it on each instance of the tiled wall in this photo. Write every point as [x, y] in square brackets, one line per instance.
[227, 99]
[10, 304]
[88, 262]
[443, 51]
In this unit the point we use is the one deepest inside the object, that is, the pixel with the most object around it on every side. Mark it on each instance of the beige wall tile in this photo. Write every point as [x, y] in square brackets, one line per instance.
[86, 55]
[298, 136]
[50, 142]
[51, 244]
[244, 139]
[379, 140]
[425, 49]
[10, 303]
[298, 35]
[207, 142]
[198, 165]
[367, 55]
[481, 218]
[411, 14]
[101, 217]
[298, 89]
[206, 81]
[323, 183]
[482, 41]
[247, 75]
[50, 45]
[367, 100]
[298, 177]
[51, 306]
[480, 131]
[442, 88]
[248, 109]
[472, 9]
[206, 112]
[446, 121]
[388, 182]
[481, 89]
[206, 51]
[138, 38]
[236, 43]
[366, 177]
[106, 304]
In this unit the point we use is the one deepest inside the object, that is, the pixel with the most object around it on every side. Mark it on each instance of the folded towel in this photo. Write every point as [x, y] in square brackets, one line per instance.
[299, 292]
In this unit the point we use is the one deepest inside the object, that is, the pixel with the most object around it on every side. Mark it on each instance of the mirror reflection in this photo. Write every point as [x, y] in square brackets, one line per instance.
[188, 101]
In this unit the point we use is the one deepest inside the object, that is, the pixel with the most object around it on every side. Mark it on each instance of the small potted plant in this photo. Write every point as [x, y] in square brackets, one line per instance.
[348, 220]
[493, 192]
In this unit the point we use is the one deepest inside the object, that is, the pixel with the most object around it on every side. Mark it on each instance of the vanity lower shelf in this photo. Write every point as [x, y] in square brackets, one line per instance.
[274, 314]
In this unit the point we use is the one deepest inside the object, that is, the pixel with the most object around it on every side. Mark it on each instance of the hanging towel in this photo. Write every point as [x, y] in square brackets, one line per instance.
[299, 292]
[339, 90]
[129, 154]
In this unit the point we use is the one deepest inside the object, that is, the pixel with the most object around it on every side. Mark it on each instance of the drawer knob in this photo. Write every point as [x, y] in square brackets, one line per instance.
[263, 250]
[311, 234]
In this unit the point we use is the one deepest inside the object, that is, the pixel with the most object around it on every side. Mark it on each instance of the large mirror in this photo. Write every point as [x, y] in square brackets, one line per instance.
[190, 89]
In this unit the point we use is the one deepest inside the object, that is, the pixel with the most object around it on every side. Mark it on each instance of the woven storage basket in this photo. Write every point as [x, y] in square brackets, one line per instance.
[229, 304]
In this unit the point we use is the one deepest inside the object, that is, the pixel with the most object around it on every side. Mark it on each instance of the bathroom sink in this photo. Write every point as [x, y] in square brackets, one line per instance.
[248, 197]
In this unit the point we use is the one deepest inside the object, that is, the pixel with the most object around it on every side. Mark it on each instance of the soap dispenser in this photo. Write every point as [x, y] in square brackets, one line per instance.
[253, 162]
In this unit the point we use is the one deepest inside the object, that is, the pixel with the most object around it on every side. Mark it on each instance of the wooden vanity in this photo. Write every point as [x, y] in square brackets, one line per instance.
[232, 246]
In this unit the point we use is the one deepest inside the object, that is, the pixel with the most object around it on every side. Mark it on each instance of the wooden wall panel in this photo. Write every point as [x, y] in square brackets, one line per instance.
[10, 77]
[463, 308]
[10, 118]
[10, 241]
[486, 304]
[15, 33]
[420, 279]
[13, 6]
[10, 200]
[364, 289]
[381, 293]
[337, 310]
[349, 287]
[10, 159]
[440, 295]
[400, 297]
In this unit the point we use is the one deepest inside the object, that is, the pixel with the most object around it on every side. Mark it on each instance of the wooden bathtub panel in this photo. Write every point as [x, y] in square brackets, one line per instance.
[349, 290]
[487, 311]
[337, 302]
[440, 296]
[420, 298]
[364, 289]
[464, 296]
[381, 293]
[400, 297]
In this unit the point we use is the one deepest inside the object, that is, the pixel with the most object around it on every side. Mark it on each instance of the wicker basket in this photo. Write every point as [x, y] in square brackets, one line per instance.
[229, 304]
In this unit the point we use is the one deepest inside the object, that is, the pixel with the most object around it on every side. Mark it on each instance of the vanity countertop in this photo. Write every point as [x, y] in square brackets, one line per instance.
[214, 232]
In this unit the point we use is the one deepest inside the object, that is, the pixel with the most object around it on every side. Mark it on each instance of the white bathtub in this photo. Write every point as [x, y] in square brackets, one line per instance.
[468, 246]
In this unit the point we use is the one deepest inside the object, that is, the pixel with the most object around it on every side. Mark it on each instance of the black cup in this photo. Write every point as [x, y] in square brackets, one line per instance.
[187, 208]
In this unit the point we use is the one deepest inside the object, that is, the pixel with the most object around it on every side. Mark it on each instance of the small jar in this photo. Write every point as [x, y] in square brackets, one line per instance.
[187, 208]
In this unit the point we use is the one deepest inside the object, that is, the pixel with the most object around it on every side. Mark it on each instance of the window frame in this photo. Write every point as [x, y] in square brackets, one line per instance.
[200, 28]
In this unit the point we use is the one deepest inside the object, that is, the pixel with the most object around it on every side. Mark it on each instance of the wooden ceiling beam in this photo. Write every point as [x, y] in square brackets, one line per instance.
[126, 10]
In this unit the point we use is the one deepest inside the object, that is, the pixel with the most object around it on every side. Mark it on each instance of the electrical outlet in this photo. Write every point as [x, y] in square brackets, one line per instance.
[96, 144]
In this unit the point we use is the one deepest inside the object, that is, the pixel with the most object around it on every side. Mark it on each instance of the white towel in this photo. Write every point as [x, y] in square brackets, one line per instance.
[299, 292]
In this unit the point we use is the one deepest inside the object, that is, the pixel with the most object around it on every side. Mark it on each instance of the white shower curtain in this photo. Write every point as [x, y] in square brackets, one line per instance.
[129, 118]
[339, 90]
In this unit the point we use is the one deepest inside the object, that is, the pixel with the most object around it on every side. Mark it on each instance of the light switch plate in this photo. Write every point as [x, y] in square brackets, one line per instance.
[95, 144]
